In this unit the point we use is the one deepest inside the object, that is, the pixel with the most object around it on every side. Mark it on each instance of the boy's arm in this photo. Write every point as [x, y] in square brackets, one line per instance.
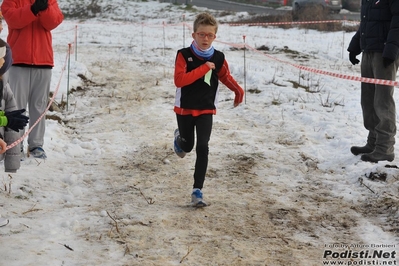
[226, 78]
[181, 77]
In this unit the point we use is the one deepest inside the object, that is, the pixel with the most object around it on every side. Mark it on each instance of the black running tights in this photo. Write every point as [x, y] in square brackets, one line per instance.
[202, 125]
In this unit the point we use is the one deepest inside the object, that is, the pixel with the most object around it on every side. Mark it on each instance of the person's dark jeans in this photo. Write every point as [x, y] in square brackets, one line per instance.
[378, 105]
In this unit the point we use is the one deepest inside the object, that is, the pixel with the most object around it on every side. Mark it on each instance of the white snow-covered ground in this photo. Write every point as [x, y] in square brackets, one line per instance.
[282, 185]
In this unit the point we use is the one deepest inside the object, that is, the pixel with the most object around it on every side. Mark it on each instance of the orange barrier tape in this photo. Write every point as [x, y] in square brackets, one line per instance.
[332, 74]
[289, 23]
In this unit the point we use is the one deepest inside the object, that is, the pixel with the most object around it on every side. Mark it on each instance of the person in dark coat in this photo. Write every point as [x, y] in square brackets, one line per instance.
[378, 40]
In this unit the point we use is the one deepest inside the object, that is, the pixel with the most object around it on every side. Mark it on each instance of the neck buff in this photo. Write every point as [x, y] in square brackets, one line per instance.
[205, 54]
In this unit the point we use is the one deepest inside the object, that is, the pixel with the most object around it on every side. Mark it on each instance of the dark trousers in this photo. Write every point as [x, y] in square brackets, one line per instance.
[202, 126]
[378, 105]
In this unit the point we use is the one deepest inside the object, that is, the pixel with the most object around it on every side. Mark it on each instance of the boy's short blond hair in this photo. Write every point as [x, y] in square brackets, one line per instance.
[205, 19]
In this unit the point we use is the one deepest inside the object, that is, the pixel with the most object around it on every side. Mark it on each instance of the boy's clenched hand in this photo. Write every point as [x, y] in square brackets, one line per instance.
[210, 65]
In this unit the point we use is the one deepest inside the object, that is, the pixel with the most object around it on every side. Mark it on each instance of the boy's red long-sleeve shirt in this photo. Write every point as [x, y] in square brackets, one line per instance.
[183, 78]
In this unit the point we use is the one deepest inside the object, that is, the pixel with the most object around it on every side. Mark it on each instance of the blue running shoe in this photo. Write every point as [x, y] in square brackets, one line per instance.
[38, 152]
[177, 149]
[196, 198]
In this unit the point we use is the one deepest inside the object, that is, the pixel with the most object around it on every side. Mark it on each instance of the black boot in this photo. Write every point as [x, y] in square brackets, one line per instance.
[375, 157]
[356, 150]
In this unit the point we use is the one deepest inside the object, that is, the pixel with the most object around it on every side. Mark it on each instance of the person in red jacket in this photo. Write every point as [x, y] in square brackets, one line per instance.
[198, 70]
[30, 23]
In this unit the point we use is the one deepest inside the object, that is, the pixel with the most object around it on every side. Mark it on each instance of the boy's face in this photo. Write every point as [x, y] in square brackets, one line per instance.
[2, 62]
[204, 36]
[1, 26]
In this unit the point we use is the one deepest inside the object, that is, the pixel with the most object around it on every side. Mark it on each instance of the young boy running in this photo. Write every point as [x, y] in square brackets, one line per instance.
[198, 69]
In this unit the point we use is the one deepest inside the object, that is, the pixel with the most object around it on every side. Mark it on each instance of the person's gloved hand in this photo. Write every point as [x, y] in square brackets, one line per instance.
[353, 59]
[14, 120]
[386, 61]
[39, 5]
